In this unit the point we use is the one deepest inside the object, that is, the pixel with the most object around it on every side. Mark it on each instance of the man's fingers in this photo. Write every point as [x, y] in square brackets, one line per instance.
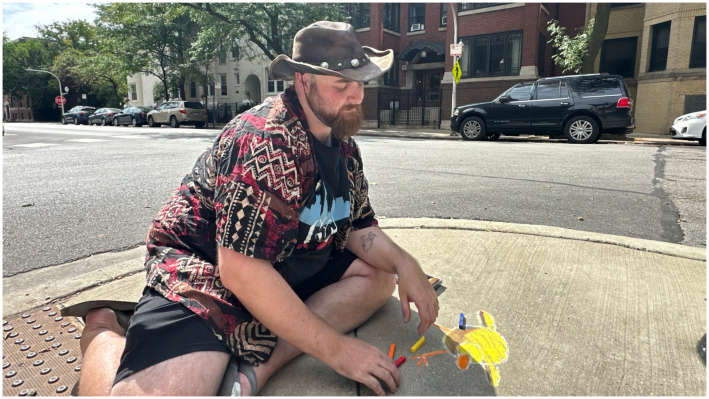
[374, 385]
[390, 367]
[385, 375]
[405, 310]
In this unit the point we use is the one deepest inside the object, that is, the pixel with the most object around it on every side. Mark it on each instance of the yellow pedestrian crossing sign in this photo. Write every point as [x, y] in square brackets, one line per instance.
[456, 71]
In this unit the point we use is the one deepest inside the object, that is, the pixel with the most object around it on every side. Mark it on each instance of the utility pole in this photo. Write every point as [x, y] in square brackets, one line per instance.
[455, 40]
[60, 85]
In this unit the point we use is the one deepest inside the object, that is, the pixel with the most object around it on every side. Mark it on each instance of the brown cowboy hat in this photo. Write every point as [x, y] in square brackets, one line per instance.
[331, 48]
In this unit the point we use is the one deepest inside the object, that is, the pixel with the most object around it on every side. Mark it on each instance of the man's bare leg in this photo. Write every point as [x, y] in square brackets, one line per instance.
[102, 343]
[361, 291]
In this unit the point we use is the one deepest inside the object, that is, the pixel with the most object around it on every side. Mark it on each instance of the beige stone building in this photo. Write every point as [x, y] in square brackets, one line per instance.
[660, 49]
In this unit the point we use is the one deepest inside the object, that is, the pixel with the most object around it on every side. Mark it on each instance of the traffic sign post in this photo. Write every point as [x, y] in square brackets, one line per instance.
[456, 71]
[60, 100]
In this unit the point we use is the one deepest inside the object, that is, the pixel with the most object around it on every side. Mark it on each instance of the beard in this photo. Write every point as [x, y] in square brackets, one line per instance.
[344, 122]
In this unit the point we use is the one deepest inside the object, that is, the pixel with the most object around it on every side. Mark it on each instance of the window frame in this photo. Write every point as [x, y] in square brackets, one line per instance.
[193, 89]
[477, 6]
[696, 61]
[133, 92]
[237, 79]
[562, 85]
[443, 13]
[394, 23]
[469, 41]
[221, 54]
[412, 7]
[653, 64]
[602, 66]
[224, 91]
[391, 77]
[358, 14]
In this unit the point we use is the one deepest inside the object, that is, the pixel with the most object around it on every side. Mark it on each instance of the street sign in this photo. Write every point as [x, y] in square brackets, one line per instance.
[456, 71]
[60, 100]
[83, 96]
[217, 85]
[456, 50]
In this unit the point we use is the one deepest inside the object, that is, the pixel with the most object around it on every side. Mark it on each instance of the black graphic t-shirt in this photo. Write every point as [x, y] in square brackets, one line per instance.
[323, 214]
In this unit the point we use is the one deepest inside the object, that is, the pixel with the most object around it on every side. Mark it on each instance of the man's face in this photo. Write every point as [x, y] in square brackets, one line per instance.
[337, 102]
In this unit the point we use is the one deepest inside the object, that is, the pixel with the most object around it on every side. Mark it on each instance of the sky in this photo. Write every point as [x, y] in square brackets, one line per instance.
[19, 19]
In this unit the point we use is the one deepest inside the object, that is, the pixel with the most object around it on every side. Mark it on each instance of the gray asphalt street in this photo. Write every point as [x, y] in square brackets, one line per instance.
[71, 192]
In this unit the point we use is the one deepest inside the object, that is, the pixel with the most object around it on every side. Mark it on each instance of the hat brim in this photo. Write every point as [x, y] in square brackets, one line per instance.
[284, 68]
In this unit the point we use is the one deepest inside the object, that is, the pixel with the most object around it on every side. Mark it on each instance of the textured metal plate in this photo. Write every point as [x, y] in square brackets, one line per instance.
[40, 353]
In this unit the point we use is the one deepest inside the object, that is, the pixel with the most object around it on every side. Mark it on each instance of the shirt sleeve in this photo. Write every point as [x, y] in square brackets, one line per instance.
[255, 196]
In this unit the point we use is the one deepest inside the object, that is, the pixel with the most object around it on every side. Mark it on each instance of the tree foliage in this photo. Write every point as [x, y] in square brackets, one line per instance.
[578, 54]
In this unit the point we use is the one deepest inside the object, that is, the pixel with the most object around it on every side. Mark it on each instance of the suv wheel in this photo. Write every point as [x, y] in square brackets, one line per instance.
[136, 124]
[582, 130]
[173, 122]
[152, 123]
[63, 120]
[473, 129]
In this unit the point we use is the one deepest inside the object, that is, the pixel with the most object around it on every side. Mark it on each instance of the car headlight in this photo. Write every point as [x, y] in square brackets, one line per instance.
[455, 113]
[696, 116]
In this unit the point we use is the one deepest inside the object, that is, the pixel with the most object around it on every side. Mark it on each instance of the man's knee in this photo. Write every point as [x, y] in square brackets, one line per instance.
[382, 282]
[103, 319]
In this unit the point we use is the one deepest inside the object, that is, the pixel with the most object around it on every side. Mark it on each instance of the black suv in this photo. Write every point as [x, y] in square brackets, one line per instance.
[579, 107]
[78, 115]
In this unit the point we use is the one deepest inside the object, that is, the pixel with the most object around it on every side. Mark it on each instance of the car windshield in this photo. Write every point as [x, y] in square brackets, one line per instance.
[143, 109]
[193, 105]
[113, 110]
[518, 93]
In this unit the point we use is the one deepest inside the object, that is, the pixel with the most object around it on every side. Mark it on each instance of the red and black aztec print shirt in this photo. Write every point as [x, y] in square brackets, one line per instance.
[244, 193]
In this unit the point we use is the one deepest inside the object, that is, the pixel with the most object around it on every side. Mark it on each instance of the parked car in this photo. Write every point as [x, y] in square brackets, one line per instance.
[578, 107]
[178, 112]
[78, 115]
[135, 116]
[103, 116]
[691, 127]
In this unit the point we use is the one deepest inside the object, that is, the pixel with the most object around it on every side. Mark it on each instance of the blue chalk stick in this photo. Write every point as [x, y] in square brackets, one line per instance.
[461, 323]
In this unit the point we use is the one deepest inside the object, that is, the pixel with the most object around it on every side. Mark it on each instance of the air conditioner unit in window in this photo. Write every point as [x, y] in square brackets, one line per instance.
[416, 27]
[444, 20]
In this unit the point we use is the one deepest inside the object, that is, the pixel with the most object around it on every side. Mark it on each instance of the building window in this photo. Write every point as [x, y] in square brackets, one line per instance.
[618, 56]
[698, 59]
[22, 116]
[660, 46]
[444, 14]
[477, 6]
[275, 86]
[417, 15]
[541, 55]
[391, 16]
[133, 93]
[222, 57]
[223, 82]
[235, 55]
[193, 90]
[210, 84]
[358, 14]
[391, 77]
[492, 55]
[237, 80]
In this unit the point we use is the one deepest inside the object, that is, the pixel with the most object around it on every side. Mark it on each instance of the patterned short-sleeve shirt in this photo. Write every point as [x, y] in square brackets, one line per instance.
[244, 193]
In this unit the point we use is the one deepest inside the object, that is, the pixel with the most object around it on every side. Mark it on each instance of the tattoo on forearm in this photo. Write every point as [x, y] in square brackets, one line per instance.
[368, 241]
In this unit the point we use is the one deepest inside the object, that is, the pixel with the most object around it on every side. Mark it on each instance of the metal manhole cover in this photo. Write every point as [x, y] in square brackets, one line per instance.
[42, 362]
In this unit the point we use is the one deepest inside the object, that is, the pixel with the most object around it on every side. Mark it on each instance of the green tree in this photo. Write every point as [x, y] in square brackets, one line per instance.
[19, 55]
[255, 28]
[578, 54]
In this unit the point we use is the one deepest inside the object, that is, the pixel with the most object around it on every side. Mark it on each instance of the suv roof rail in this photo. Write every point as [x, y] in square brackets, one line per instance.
[576, 76]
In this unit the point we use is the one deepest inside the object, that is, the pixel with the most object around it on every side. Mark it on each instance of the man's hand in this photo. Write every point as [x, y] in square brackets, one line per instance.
[362, 362]
[415, 287]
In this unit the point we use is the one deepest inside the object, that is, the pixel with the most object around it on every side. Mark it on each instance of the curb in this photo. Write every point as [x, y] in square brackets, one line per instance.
[659, 247]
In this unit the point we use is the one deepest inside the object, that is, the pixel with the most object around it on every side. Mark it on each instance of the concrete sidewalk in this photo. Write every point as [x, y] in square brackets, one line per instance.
[583, 313]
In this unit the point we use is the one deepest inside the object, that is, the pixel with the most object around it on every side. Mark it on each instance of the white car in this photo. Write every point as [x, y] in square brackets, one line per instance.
[691, 127]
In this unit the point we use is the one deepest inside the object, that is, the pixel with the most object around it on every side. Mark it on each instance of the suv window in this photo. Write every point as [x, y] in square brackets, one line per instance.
[193, 105]
[520, 93]
[599, 87]
[173, 104]
[551, 90]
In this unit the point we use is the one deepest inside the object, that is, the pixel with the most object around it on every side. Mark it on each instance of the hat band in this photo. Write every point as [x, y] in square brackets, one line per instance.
[337, 65]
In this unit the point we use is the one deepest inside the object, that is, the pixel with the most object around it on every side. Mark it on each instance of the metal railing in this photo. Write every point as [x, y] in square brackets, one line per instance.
[409, 107]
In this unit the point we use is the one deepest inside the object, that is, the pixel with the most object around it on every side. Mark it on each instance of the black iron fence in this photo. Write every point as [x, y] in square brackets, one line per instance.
[225, 112]
[409, 107]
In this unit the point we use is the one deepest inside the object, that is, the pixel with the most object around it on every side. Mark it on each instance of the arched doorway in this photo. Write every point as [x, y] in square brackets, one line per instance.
[252, 89]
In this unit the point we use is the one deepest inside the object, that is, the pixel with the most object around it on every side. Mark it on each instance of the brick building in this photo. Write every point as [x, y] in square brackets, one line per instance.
[660, 49]
[17, 108]
[503, 44]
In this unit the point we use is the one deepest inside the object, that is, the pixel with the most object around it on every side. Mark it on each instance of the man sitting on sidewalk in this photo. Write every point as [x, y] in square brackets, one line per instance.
[269, 248]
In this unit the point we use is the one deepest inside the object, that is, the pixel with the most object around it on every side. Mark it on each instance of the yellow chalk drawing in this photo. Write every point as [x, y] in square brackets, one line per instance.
[482, 344]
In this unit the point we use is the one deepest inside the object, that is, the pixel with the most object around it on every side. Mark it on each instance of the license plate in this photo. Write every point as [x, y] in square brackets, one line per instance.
[195, 114]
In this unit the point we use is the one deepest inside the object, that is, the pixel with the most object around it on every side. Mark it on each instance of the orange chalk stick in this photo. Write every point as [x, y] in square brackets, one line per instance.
[391, 351]
[400, 361]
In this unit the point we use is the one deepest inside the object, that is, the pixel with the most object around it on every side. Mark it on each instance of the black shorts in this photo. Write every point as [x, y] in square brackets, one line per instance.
[161, 329]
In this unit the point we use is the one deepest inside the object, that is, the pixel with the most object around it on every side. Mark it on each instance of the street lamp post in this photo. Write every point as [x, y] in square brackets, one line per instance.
[60, 85]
